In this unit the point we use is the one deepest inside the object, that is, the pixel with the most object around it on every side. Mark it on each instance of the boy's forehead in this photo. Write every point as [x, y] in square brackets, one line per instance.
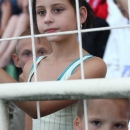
[27, 41]
[24, 43]
[109, 109]
[115, 104]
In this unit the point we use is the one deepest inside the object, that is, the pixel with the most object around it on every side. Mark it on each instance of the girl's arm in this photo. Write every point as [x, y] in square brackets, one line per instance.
[27, 118]
[28, 122]
[93, 68]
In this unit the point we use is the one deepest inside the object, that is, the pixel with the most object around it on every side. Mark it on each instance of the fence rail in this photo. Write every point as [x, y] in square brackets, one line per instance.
[71, 89]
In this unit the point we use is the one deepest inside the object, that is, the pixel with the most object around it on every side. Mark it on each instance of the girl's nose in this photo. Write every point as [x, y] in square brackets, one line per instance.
[49, 18]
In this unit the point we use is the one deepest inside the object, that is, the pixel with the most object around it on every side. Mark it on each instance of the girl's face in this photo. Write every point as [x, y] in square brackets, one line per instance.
[55, 16]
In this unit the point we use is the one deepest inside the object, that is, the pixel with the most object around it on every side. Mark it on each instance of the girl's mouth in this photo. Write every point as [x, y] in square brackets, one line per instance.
[50, 30]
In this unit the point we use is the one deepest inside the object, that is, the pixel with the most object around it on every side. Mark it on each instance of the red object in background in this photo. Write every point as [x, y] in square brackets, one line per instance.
[100, 8]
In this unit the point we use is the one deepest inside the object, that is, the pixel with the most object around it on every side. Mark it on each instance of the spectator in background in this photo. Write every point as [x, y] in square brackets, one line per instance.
[95, 42]
[123, 7]
[12, 8]
[117, 52]
[5, 6]
[16, 25]
[99, 7]
[124, 4]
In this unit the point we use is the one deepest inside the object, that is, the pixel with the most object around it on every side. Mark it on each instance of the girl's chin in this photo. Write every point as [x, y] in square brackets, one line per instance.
[53, 38]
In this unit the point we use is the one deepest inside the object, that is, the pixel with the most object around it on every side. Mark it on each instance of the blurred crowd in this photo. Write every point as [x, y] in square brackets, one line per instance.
[14, 19]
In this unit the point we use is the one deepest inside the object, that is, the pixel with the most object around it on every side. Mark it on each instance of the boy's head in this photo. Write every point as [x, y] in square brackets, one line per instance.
[103, 114]
[24, 49]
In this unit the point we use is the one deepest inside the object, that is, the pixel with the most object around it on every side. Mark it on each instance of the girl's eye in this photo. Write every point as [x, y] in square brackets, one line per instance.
[96, 123]
[58, 10]
[41, 12]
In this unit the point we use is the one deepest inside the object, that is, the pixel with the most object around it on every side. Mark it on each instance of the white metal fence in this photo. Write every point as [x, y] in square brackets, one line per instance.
[98, 88]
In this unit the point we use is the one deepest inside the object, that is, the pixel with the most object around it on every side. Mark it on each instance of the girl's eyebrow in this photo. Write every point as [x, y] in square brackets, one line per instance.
[40, 6]
[58, 4]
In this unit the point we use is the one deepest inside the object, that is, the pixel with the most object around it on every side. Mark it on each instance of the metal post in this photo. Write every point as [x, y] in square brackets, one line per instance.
[4, 116]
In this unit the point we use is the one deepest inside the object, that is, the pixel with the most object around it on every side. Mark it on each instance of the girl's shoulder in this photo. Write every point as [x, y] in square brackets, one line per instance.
[95, 67]
[29, 66]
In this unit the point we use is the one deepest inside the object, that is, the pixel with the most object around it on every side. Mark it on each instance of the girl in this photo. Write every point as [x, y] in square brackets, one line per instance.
[63, 63]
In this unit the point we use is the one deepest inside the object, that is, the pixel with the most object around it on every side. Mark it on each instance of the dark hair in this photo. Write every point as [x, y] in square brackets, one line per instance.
[34, 17]
[90, 16]
[86, 24]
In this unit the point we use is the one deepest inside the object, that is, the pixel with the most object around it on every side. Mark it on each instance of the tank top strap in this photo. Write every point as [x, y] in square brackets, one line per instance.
[71, 68]
[38, 60]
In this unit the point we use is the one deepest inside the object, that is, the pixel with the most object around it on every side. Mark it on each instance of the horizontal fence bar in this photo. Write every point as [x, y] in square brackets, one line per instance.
[67, 32]
[70, 89]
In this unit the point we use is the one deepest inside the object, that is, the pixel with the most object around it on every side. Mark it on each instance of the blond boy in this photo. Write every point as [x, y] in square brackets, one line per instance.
[24, 50]
[103, 114]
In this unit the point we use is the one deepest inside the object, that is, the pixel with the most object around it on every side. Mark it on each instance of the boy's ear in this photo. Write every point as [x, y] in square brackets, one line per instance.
[76, 123]
[16, 60]
[83, 14]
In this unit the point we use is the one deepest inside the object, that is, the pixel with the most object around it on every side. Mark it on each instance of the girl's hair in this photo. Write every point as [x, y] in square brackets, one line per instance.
[90, 14]
[86, 24]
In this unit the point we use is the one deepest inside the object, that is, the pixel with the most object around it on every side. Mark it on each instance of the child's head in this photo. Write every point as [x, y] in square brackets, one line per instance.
[24, 52]
[61, 8]
[103, 114]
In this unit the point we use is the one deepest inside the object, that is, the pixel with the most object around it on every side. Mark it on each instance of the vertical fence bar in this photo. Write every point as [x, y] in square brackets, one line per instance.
[81, 58]
[34, 59]
[4, 116]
